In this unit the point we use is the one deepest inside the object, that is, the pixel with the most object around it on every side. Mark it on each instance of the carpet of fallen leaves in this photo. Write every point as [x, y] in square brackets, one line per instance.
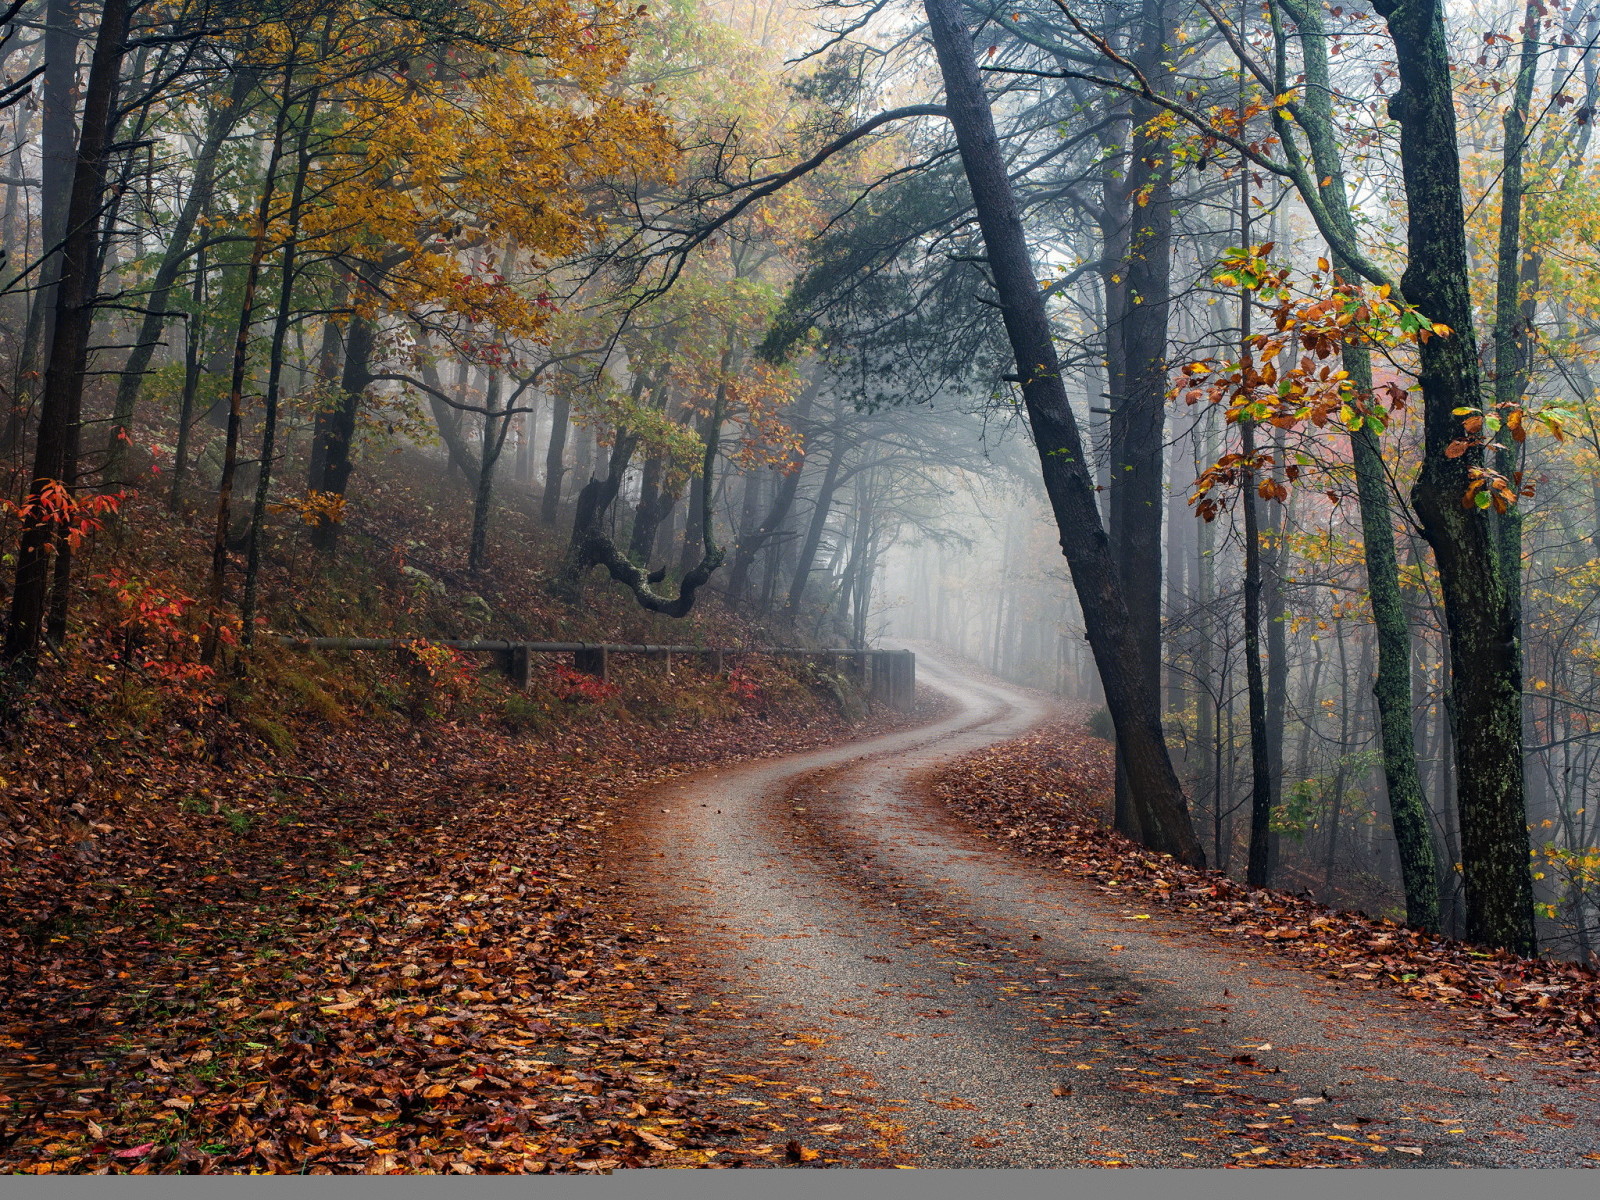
[386, 951]
[1048, 794]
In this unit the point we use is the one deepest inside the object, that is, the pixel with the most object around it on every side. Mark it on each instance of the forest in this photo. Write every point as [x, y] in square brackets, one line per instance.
[480, 477]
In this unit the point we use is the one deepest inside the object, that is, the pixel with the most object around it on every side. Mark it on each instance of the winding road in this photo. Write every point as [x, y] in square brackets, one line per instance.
[1003, 1013]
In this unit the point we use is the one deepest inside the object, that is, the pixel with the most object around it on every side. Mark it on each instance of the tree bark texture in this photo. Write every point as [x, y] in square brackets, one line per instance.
[62, 397]
[1392, 690]
[1480, 614]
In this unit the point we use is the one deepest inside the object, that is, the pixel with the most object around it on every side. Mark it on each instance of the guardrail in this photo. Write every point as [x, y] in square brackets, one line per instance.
[889, 676]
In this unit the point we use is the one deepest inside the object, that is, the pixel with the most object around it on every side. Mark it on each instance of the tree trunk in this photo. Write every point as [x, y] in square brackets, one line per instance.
[648, 514]
[193, 341]
[819, 514]
[1277, 665]
[241, 352]
[280, 333]
[1480, 612]
[448, 420]
[1258, 868]
[58, 157]
[777, 515]
[1163, 813]
[496, 425]
[335, 432]
[555, 458]
[1138, 408]
[1408, 808]
[596, 497]
[218, 127]
[1512, 313]
[62, 396]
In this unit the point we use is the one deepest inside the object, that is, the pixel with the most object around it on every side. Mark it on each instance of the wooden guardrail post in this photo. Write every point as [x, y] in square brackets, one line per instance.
[905, 681]
[878, 678]
[893, 679]
[418, 679]
[518, 664]
[595, 660]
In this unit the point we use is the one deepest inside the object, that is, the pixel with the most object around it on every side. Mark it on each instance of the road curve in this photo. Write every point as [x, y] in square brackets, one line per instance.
[1008, 1014]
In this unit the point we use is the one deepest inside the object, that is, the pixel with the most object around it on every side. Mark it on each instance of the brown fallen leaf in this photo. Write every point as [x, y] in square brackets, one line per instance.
[654, 1142]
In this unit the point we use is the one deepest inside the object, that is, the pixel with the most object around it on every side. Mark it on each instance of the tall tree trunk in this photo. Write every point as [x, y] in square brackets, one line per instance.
[1277, 666]
[527, 427]
[62, 397]
[700, 498]
[648, 514]
[58, 157]
[777, 516]
[496, 424]
[1163, 813]
[218, 126]
[193, 343]
[753, 484]
[280, 334]
[1408, 807]
[555, 458]
[837, 449]
[334, 436]
[1258, 868]
[1480, 612]
[1138, 410]
[241, 349]
[1512, 312]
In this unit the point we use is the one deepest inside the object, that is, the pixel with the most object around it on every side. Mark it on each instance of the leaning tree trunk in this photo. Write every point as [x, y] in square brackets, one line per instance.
[1480, 612]
[448, 420]
[218, 127]
[1162, 810]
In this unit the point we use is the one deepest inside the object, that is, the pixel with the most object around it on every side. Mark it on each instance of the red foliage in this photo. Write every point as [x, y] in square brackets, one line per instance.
[157, 634]
[75, 517]
[576, 687]
[743, 687]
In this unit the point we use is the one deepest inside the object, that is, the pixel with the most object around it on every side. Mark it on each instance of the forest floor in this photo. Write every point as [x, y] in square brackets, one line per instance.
[926, 950]
[391, 953]
[305, 912]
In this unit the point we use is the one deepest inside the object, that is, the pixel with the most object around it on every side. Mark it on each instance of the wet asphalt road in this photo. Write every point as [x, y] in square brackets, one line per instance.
[1002, 1013]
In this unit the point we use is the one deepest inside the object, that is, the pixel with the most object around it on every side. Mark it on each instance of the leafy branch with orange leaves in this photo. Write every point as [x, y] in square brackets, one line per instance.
[1289, 376]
